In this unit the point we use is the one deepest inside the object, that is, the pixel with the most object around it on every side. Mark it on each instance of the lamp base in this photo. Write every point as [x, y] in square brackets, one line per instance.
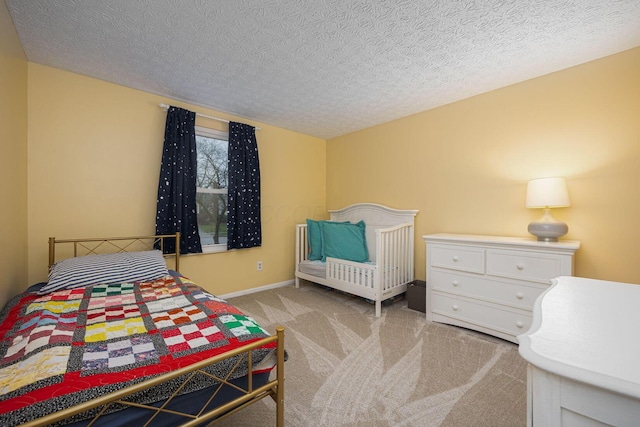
[547, 228]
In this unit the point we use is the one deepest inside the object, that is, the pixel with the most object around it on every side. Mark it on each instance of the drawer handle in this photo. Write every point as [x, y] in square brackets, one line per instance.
[520, 266]
[519, 324]
[455, 258]
[519, 295]
[455, 283]
[455, 307]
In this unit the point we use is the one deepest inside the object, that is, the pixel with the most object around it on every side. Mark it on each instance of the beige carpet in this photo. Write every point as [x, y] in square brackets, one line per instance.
[349, 368]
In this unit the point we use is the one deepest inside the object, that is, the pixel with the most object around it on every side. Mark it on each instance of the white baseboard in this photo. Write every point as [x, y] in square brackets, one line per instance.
[258, 289]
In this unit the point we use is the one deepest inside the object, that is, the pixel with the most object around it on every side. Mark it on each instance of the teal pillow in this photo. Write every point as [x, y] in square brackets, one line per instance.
[314, 239]
[344, 241]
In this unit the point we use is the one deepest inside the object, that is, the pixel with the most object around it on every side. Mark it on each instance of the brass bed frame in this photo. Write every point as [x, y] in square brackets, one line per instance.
[273, 388]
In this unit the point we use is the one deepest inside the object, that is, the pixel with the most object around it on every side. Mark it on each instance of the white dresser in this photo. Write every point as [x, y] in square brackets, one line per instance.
[583, 352]
[489, 284]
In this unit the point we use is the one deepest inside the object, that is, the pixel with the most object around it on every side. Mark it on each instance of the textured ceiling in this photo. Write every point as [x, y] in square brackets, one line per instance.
[321, 67]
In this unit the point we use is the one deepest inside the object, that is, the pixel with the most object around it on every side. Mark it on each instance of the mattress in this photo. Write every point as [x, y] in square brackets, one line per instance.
[313, 268]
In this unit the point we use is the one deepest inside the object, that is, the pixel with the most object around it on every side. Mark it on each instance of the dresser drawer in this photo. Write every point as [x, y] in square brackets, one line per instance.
[531, 266]
[513, 294]
[461, 258]
[485, 315]
[490, 283]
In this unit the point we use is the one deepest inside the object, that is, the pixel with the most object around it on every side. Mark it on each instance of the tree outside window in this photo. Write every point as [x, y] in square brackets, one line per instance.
[212, 183]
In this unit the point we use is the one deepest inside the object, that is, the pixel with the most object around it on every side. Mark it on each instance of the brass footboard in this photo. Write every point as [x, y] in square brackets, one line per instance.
[273, 388]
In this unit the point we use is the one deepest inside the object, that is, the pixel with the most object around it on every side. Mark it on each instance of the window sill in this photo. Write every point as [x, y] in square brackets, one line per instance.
[208, 249]
[212, 249]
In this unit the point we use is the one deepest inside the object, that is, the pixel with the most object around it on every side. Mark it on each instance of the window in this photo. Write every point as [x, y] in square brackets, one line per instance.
[211, 193]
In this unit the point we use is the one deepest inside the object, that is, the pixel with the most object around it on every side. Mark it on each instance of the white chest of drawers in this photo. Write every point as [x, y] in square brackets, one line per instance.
[489, 284]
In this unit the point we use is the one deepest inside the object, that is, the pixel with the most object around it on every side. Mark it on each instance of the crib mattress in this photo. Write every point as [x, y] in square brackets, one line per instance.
[313, 268]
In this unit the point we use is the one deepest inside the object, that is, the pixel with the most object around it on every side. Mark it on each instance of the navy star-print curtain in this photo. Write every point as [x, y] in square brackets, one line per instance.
[177, 187]
[244, 229]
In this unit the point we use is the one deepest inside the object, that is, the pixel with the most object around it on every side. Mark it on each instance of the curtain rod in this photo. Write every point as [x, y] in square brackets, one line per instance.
[166, 107]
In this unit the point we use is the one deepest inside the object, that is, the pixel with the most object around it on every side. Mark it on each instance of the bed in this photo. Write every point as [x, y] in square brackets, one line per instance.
[365, 249]
[116, 338]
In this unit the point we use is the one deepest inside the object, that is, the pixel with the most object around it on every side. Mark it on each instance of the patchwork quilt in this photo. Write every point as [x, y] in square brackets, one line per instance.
[63, 348]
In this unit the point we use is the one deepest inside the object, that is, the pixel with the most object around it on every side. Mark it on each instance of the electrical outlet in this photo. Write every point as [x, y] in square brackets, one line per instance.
[259, 266]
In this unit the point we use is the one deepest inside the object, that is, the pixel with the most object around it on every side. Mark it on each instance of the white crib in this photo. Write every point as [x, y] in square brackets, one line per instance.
[389, 235]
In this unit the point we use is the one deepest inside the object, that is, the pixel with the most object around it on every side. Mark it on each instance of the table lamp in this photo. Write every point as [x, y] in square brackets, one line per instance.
[547, 193]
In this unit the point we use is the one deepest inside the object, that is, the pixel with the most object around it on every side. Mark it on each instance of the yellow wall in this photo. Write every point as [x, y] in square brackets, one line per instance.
[94, 161]
[94, 153]
[13, 159]
[465, 165]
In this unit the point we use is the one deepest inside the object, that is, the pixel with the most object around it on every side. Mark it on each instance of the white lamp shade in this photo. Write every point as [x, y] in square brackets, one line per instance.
[547, 192]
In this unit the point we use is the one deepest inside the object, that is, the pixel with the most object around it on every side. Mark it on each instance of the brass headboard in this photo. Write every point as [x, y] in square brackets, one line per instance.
[103, 245]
